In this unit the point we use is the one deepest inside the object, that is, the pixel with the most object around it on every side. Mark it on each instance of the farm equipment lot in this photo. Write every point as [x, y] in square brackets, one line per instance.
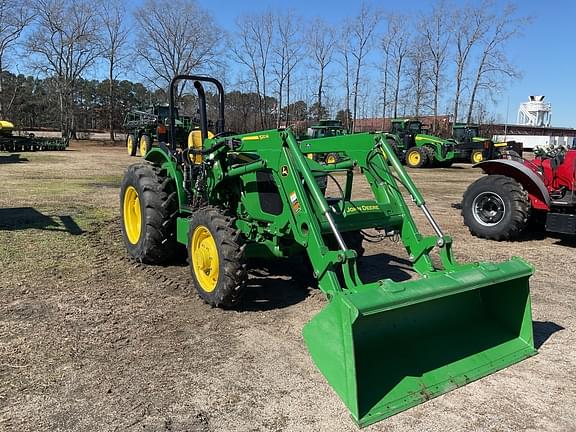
[91, 341]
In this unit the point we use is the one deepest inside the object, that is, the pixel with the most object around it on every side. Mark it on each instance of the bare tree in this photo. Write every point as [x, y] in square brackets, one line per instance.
[493, 64]
[418, 58]
[287, 52]
[64, 44]
[362, 30]
[169, 43]
[386, 45]
[321, 41]
[345, 60]
[113, 40]
[399, 49]
[14, 17]
[252, 50]
[433, 30]
[468, 23]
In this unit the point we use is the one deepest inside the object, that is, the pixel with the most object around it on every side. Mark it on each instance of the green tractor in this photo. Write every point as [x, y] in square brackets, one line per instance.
[384, 346]
[470, 147]
[419, 149]
[144, 127]
[325, 129]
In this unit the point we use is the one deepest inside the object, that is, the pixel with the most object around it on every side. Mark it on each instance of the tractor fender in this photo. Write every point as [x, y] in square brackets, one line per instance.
[533, 184]
[159, 156]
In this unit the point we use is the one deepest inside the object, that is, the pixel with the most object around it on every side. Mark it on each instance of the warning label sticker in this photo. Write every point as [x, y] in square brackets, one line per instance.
[294, 202]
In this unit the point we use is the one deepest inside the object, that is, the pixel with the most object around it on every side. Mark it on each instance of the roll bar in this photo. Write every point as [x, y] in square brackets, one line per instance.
[198, 79]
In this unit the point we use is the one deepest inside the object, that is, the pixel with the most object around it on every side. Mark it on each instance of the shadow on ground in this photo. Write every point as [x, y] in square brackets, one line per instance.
[384, 266]
[20, 218]
[272, 285]
[543, 330]
[12, 158]
[283, 283]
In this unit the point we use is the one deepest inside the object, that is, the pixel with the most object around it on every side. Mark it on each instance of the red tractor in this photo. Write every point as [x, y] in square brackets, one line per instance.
[500, 205]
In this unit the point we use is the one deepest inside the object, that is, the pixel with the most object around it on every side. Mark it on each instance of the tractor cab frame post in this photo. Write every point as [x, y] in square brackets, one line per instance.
[220, 126]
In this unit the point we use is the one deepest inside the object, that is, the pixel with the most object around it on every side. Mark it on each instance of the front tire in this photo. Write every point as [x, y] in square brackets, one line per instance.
[477, 156]
[148, 206]
[496, 207]
[332, 158]
[216, 258]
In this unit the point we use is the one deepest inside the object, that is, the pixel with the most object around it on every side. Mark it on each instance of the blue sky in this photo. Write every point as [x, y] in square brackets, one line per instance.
[545, 53]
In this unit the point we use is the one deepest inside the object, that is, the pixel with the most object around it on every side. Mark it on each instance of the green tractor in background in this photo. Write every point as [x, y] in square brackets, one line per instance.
[383, 345]
[419, 149]
[143, 127]
[323, 129]
[471, 147]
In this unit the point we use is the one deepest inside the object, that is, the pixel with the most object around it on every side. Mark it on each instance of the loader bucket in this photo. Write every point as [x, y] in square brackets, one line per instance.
[391, 346]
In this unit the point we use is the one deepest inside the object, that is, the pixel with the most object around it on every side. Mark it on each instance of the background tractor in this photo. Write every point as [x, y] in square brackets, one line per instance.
[420, 149]
[324, 129]
[142, 127]
[471, 147]
[515, 191]
[384, 346]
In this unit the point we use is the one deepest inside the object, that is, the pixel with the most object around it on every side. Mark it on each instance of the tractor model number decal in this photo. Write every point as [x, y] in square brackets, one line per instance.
[255, 137]
[294, 202]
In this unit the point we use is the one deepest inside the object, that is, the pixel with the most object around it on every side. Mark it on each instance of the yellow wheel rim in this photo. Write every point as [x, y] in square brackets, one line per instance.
[132, 215]
[414, 158]
[130, 144]
[477, 157]
[331, 159]
[205, 262]
[143, 145]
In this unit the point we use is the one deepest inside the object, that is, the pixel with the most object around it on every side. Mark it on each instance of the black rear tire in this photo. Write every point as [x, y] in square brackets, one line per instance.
[158, 203]
[431, 153]
[496, 207]
[228, 283]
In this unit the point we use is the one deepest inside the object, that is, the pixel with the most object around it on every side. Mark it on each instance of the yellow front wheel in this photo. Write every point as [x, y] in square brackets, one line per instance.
[205, 259]
[477, 156]
[332, 158]
[416, 157]
[132, 214]
[216, 258]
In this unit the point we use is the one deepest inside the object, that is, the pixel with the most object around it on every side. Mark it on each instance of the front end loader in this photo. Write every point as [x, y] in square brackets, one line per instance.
[383, 346]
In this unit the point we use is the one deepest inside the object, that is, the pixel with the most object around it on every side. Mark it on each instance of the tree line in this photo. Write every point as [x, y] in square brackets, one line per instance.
[280, 67]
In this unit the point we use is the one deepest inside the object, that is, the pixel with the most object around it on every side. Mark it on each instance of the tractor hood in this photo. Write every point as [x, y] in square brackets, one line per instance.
[429, 139]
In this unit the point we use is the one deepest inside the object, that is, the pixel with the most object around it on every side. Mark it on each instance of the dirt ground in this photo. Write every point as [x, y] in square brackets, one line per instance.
[92, 342]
